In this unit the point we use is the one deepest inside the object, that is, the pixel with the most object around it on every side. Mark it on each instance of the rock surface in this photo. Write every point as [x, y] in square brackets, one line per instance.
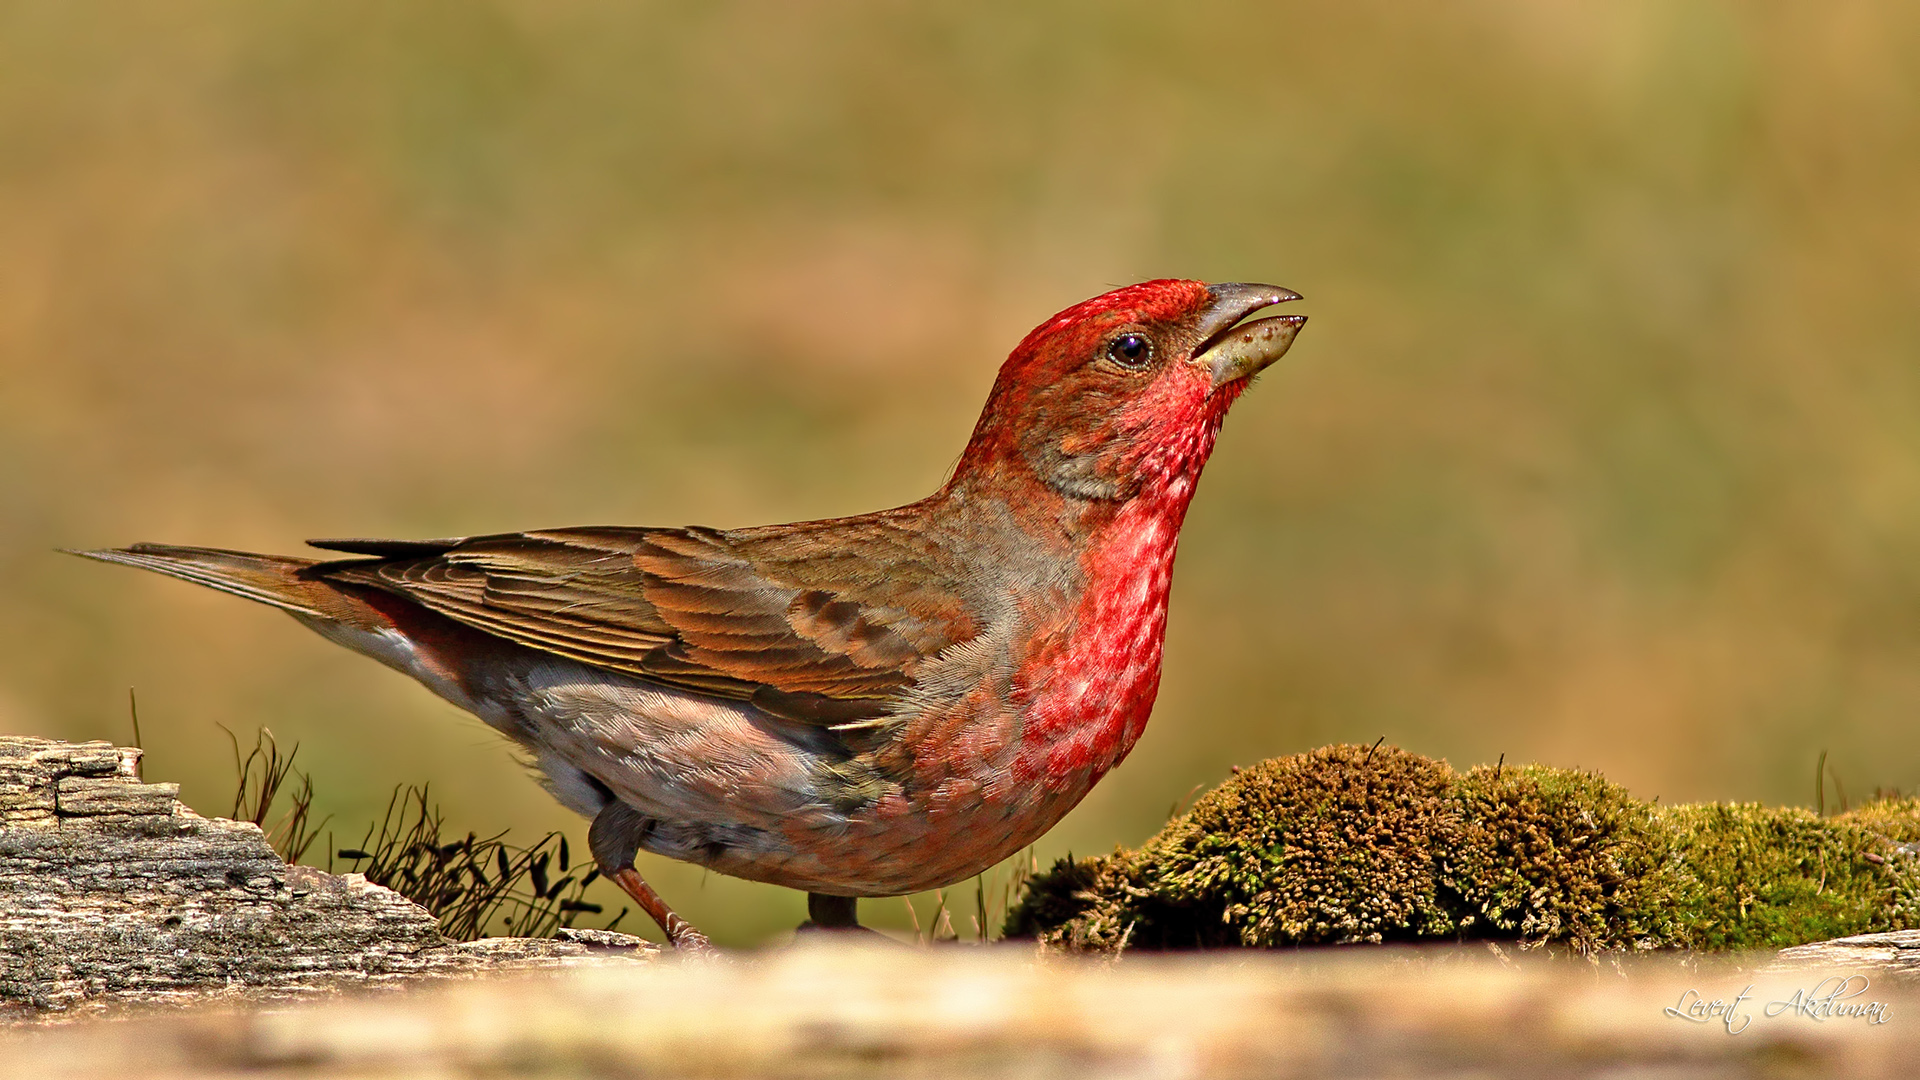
[111, 890]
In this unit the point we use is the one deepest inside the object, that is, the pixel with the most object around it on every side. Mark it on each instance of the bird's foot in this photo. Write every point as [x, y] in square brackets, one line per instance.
[681, 934]
[811, 929]
[688, 940]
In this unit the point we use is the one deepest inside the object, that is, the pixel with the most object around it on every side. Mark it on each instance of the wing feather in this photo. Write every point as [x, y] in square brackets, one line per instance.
[796, 622]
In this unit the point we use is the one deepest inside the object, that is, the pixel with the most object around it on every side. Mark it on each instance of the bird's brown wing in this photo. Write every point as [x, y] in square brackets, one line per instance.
[821, 624]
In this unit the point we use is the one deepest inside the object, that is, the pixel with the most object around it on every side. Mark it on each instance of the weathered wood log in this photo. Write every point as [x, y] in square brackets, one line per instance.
[963, 1011]
[1893, 955]
[112, 890]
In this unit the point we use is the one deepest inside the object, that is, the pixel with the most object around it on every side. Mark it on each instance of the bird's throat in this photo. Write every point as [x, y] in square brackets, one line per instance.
[1089, 699]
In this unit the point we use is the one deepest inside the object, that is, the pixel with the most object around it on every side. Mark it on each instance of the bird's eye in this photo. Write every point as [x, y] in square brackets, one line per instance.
[1131, 350]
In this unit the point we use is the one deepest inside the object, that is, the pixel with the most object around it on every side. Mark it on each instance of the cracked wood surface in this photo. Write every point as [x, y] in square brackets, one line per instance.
[111, 890]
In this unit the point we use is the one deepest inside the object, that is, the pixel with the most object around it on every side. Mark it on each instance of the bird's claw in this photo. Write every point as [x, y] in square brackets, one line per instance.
[684, 938]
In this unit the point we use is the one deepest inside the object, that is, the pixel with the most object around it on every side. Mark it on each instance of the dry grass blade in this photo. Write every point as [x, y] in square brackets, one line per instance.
[474, 885]
[995, 891]
[260, 778]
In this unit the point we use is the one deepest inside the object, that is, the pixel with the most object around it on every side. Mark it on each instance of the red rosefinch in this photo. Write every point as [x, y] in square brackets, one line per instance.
[865, 706]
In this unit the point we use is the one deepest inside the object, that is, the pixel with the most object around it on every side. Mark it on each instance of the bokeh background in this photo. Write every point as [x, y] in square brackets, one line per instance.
[1602, 447]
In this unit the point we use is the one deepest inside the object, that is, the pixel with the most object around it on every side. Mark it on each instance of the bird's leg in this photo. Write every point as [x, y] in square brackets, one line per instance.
[832, 912]
[837, 915]
[614, 837]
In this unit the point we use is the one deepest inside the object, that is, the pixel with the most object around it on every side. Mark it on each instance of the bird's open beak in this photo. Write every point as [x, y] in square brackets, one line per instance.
[1231, 349]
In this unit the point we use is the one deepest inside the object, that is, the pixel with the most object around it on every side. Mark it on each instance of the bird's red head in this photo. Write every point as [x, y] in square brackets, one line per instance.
[1115, 392]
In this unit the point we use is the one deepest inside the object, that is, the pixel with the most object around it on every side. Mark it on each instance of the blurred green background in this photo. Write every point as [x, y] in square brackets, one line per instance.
[1602, 448]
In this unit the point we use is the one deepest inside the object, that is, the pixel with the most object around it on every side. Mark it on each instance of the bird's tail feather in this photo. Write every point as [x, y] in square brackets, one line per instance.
[269, 579]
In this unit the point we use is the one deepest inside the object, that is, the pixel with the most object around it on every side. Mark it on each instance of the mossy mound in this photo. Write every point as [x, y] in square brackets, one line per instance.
[1371, 844]
[1556, 855]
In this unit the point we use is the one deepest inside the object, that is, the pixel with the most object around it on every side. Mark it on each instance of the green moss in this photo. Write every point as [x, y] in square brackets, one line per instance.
[1335, 846]
[1753, 876]
[1088, 905]
[1556, 855]
[1359, 844]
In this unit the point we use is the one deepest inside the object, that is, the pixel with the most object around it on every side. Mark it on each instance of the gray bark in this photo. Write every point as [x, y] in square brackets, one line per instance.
[112, 890]
[1892, 954]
